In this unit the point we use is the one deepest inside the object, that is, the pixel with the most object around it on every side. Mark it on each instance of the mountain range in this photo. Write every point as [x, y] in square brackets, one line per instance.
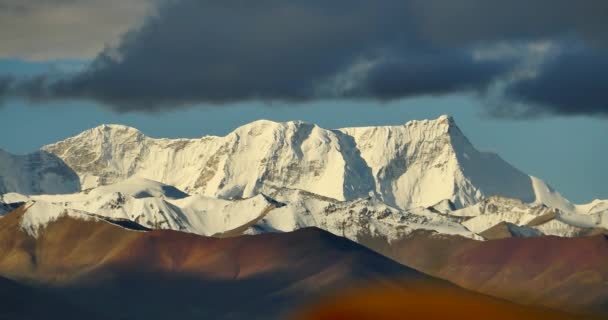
[266, 208]
[287, 176]
[416, 164]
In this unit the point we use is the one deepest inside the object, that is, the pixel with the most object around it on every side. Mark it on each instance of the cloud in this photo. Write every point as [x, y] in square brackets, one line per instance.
[572, 82]
[429, 73]
[216, 52]
[221, 52]
[5, 85]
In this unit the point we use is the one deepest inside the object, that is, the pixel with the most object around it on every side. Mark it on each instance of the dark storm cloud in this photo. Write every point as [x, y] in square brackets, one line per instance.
[5, 85]
[214, 52]
[573, 82]
[429, 73]
[473, 21]
[226, 51]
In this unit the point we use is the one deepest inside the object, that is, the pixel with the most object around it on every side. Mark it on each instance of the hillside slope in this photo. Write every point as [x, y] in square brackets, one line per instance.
[106, 268]
[22, 302]
[101, 266]
[36, 173]
[564, 273]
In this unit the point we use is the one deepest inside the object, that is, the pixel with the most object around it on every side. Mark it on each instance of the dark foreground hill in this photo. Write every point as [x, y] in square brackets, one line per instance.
[22, 302]
[122, 273]
[133, 274]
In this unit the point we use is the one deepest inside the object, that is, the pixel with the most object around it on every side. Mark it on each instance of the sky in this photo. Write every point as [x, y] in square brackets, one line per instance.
[525, 79]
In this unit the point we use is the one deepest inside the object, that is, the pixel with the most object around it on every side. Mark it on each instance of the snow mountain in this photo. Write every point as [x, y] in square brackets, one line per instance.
[154, 205]
[37, 173]
[379, 182]
[135, 200]
[419, 163]
[531, 220]
[353, 219]
[295, 209]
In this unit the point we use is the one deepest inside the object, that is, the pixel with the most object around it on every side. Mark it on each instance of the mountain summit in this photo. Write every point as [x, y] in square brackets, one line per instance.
[419, 163]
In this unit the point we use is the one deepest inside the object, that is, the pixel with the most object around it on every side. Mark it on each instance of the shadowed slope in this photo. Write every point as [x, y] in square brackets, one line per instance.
[68, 248]
[40, 172]
[21, 302]
[152, 275]
[134, 274]
[564, 273]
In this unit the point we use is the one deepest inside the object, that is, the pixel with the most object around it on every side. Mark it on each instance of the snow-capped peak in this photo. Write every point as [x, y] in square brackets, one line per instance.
[417, 164]
[103, 132]
[113, 129]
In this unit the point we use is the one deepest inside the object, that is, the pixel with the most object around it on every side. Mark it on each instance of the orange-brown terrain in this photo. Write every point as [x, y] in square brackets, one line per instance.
[130, 274]
[414, 302]
[115, 272]
[564, 273]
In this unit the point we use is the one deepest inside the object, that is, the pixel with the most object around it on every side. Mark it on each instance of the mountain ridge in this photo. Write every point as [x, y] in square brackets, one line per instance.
[557, 272]
[158, 206]
[107, 268]
[419, 163]
[130, 274]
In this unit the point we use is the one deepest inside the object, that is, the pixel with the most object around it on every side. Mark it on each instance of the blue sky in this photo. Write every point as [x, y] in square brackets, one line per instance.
[569, 153]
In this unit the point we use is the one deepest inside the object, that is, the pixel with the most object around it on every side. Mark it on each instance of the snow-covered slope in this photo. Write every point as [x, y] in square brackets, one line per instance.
[38, 214]
[140, 188]
[596, 206]
[211, 216]
[549, 197]
[36, 173]
[158, 206]
[416, 164]
[424, 162]
[351, 219]
[135, 200]
[494, 211]
[148, 203]
[294, 154]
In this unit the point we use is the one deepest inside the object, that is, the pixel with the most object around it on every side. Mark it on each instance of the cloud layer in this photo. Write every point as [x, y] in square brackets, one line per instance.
[574, 81]
[215, 52]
